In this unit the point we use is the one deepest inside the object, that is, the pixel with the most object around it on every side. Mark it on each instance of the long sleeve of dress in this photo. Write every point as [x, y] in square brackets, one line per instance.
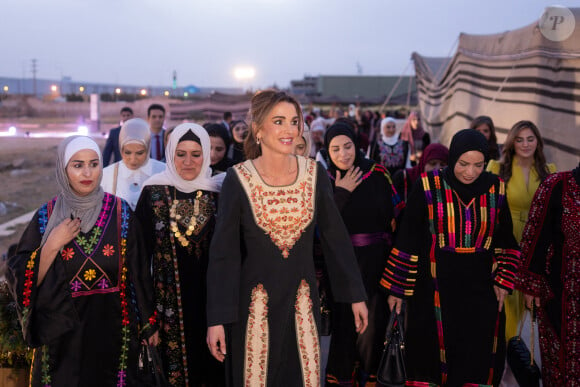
[400, 272]
[341, 197]
[225, 259]
[506, 250]
[139, 276]
[345, 278]
[46, 311]
[540, 239]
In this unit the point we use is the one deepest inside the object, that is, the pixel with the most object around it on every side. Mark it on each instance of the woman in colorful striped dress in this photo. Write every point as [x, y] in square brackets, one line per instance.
[454, 260]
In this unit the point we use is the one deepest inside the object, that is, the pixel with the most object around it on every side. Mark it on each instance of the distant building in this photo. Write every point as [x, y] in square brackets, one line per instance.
[356, 88]
[67, 86]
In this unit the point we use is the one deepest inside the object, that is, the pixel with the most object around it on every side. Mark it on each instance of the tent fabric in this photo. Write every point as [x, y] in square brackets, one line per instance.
[511, 76]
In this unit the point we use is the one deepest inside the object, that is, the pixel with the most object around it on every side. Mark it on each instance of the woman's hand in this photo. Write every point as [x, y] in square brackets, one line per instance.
[500, 294]
[216, 341]
[529, 299]
[61, 235]
[395, 302]
[361, 316]
[351, 179]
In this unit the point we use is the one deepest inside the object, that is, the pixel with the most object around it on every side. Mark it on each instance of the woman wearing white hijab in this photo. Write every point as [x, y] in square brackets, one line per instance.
[177, 211]
[389, 149]
[125, 178]
[70, 275]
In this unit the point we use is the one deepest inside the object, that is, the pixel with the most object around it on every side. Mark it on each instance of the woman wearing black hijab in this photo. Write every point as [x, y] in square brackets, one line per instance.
[368, 204]
[456, 229]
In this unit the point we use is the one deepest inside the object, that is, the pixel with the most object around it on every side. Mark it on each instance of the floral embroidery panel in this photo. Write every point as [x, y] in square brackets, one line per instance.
[282, 212]
[307, 336]
[257, 339]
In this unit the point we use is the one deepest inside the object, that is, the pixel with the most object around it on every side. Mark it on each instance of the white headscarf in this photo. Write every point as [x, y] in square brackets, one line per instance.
[204, 181]
[394, 138]
[135, 131]
[86, 208]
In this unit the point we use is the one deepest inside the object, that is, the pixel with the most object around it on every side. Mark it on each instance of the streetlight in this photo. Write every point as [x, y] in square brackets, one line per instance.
[118, 90]
[244, 74]
[166, 93]
[5, 88]
[143, 92]
[81, 89]
[54, 88]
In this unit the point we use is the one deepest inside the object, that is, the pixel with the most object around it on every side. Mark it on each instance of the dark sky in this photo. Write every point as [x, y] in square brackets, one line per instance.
[141, 42]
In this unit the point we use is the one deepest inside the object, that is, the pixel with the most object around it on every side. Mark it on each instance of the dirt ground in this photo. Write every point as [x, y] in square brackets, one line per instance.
[27, 170]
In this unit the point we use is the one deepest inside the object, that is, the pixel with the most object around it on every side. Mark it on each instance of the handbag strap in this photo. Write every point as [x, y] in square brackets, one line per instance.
[395, 317]
[115, 175]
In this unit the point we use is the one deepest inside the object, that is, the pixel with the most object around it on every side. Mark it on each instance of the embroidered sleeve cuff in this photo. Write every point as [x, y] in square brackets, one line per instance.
[400, 273]
[533, 284]
[508, 261]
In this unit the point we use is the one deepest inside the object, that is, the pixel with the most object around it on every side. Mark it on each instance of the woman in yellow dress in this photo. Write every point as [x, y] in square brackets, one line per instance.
[523, 167]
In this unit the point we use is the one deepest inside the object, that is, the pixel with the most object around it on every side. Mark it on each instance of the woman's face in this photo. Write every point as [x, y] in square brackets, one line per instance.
[188, 159]
[434, 165]
[280, 129]
[83, 171]
[342, 152]
[414, 122]
[525, 143]
[485, 130]
[218, 149]
[134, 155]
[239, 132]
[469, 166]
[390, 129]
[300, 146]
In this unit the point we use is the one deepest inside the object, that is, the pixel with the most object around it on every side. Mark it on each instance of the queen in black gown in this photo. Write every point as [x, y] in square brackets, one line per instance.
[455, 260]
[177, 211]
[83, 290]
[263, 308]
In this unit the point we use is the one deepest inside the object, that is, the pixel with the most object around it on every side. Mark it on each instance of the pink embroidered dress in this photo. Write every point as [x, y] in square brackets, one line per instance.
[95, 304]
[261, 277]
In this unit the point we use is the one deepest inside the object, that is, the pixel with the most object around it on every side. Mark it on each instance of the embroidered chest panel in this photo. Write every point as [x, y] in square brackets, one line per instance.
[461, 227]
[571, 218]
[392, 155]
[282, 212]
[93, 261]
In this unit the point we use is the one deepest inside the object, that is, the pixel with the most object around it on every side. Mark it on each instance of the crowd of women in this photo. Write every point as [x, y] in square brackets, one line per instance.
[223, 273]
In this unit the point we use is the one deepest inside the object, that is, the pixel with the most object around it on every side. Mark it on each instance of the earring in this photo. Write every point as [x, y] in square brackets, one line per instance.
[258, 140]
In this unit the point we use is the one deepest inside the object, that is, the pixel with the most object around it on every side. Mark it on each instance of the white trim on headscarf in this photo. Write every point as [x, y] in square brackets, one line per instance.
[394, 138]
[79, 143]
[135, 131]
[204, 181]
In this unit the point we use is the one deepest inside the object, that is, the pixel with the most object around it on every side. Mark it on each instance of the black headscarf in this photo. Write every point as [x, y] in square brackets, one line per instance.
[338, 129]
[464, 141]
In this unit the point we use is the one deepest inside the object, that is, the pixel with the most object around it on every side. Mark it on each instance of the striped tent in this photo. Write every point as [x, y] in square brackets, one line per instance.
[512, 76]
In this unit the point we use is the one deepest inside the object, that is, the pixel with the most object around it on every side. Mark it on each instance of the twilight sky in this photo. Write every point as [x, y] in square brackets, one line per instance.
[141, 42]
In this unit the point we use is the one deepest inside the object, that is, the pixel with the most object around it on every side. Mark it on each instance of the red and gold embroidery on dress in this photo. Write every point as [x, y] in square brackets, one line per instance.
[257, 340]
[307, 336]
[282, 212]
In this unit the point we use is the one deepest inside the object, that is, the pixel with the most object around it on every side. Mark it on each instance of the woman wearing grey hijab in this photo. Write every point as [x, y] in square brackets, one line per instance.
[84, 299]
[125, 178]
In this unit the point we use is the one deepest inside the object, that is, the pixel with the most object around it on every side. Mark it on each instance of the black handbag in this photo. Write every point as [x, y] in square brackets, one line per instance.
[150, 367]
[521, 360]
[392, 371]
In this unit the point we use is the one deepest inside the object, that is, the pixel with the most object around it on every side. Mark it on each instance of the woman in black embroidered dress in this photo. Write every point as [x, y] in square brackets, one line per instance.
[177, 210]
[71, 276]
[365, 197]
[261, 279]
[456, 226]
[550, 275]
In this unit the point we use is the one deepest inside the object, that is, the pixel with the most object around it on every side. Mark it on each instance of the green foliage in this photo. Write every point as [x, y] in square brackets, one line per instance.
[13, 350]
